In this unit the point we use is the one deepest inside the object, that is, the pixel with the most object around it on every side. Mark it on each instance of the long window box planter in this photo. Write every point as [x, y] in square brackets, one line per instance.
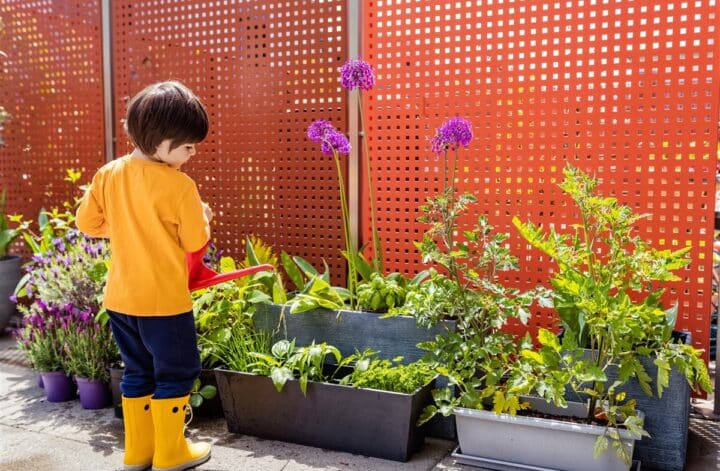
[357, 330]
[537, 443]
[369, 422]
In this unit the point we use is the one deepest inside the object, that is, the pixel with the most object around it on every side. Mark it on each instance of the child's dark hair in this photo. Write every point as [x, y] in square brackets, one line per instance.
[165, 110]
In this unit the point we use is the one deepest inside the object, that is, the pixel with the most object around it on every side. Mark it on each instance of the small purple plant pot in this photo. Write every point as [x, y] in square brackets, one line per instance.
[58, 386]
[94, 394]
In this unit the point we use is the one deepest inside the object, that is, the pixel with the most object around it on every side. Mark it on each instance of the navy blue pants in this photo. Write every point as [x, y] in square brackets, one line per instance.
[160, 354]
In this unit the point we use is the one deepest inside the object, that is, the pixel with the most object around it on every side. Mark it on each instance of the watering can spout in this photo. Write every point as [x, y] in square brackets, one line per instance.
[200, 276]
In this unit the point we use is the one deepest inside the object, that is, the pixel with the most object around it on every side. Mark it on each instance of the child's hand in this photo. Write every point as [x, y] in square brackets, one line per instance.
[207, 211]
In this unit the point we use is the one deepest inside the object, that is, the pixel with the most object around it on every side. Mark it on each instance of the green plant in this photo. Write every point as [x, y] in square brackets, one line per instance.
[287, 361]
[200, 393]
[238, 351]
[383, 293]
[607, 292]
[313, 288]
[220, 308]
[7, 234]
[465, 287]
[388, 375]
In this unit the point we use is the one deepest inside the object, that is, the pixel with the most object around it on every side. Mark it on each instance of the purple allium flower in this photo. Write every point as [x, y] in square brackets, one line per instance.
[453, 133]
[337, 141]
[318, 129]
[356, 73]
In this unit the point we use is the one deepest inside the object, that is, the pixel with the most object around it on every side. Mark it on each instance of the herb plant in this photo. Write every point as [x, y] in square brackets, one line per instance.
[387, 375]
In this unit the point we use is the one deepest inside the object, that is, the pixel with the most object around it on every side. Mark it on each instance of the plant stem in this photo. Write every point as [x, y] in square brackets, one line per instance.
[349, 246]
[377, 248]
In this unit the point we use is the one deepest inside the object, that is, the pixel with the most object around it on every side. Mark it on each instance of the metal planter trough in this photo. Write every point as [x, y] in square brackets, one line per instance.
[368, 422]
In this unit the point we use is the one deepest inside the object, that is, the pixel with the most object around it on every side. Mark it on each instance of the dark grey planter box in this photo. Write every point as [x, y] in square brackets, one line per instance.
[358, 330]
[666, 420]
[355, 420]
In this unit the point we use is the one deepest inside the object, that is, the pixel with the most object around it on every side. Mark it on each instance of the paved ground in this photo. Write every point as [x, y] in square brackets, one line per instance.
[37, 435]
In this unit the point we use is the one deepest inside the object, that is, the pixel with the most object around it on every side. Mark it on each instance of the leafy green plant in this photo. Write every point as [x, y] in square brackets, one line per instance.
[287, 361]
[465, 287]
[383, 293]
[220, 308]
[387, 375]
[7, 234]
[200, 393]
[607, 292]
[313, 288]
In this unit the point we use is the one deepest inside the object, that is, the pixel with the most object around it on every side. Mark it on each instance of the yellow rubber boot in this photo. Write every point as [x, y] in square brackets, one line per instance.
[172, 451]
[139, 433]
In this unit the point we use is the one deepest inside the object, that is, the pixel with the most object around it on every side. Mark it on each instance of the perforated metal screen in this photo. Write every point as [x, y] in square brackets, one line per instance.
[626, 90]
[51, 83]
[265, 70]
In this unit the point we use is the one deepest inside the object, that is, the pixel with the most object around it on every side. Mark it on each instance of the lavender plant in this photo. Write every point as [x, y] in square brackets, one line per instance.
[41, 336]
[88, 346]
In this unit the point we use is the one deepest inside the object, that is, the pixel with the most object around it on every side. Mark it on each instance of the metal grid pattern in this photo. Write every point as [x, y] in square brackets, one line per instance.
[51, 83]
[265, 71]
[625, 90]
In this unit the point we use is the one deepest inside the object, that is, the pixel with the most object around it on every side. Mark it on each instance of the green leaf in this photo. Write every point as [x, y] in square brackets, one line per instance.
[280, 376]
[208, 391]
[250, 252]
[305, 266]
[427, 414]
[292, 271]
[196, 400]
[601, 446]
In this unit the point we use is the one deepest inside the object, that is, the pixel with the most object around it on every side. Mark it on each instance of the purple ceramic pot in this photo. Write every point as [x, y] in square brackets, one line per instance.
[94, 394]
[59, 387]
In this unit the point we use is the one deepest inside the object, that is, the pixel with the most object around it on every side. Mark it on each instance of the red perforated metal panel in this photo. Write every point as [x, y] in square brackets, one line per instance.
[627, 90]
[51, 83]
[265, 70]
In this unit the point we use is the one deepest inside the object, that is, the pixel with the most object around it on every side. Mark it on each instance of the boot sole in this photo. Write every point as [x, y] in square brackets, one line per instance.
[137, 467]
[187, 464]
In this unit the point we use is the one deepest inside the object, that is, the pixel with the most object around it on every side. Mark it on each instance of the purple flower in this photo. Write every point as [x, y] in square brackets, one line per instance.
[453, 133]
[330, 139]
[318, 129]
[356, 73]
[335, 141]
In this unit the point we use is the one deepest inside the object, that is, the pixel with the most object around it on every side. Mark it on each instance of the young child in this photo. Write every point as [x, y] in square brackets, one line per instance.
[153, 215]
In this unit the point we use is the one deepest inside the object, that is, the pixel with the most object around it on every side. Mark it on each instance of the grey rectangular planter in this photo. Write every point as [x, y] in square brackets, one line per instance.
[358, 330]
[355, 420]
[537, 442]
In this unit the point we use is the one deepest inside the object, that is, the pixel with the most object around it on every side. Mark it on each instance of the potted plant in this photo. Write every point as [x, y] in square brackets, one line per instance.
[605, 291]
[89, 351]
[290, 393]
[608, 294]
[41, 338]
[10, 272]
[218, 309]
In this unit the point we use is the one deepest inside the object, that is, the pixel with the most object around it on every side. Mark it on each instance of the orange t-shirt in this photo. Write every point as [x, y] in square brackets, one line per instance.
[153, 215]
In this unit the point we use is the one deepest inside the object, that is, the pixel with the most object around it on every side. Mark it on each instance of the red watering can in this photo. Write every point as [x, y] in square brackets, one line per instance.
[200, 276]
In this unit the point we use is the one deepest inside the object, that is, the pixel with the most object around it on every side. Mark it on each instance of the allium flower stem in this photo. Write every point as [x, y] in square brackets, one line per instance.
[377, 248]
[349, 245]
